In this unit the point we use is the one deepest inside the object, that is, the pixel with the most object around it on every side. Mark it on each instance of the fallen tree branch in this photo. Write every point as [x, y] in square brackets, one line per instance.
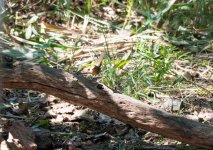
[81, 91]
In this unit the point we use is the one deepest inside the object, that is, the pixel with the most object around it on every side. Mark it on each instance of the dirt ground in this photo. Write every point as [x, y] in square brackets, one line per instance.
[48, 123]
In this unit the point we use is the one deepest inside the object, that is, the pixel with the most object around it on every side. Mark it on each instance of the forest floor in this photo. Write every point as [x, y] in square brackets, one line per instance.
[61, 125]
[168, 73]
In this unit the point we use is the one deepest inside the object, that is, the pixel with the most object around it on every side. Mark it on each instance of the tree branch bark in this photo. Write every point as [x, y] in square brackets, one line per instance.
[81, 91]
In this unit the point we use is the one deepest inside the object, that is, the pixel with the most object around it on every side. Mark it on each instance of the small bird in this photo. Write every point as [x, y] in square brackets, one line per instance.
[97, 68]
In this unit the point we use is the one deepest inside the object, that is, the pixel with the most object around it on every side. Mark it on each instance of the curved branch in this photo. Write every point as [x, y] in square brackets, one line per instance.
[81, 91]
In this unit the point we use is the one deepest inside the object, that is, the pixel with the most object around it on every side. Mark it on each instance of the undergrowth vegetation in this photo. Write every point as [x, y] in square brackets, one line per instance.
[137, 72]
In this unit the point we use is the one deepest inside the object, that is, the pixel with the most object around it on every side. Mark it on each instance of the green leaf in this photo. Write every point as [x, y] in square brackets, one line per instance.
[20, 53]
[43, 122]
[162, 12]
[28, 32]
[88, 3]
[126, 56]
[32, 20]
[34, 31]
[121, 64]
[5, 106]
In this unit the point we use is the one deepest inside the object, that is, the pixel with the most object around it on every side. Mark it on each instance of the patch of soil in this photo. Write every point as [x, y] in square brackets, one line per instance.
[48, 123]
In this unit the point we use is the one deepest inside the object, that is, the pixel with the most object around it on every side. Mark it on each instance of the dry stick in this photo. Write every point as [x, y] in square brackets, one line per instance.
[82, 53]
[81, 91]
[101, 48]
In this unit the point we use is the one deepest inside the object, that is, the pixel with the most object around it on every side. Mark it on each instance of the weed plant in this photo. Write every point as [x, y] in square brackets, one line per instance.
[144, 68]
